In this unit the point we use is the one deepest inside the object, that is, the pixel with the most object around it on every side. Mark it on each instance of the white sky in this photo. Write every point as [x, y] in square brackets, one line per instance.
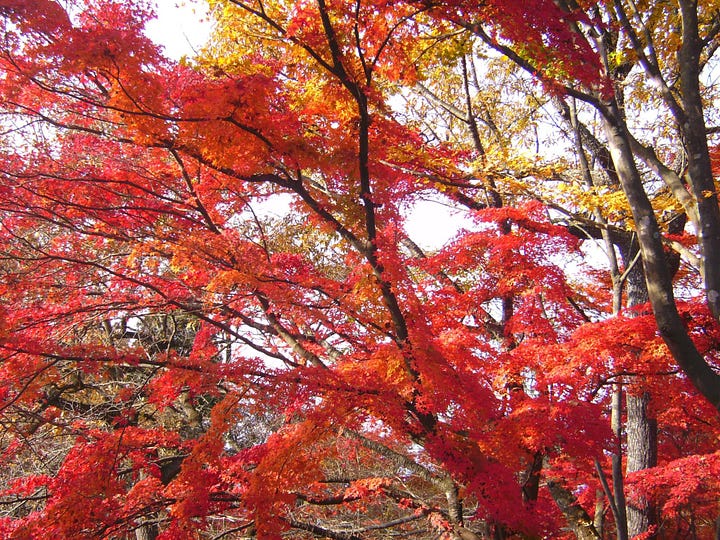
[182, 26]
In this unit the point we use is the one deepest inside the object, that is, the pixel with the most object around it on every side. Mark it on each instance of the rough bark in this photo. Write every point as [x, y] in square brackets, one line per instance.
[599, 518]
[146, 532]
[640, 429]
[641, 454]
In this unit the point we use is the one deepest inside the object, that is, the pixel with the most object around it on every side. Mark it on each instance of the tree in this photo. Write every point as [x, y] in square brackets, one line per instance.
[625, 42]
[596, 50]
[200, 368]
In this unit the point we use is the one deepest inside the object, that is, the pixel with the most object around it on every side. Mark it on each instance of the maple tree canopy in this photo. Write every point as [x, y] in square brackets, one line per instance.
[216, 323]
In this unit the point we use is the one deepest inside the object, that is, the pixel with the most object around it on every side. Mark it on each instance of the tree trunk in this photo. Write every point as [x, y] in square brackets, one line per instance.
[599, 518]
[657, 272]
[578, 520]
[699, 171]
[641, 454]
[641, 431]
[146, 532]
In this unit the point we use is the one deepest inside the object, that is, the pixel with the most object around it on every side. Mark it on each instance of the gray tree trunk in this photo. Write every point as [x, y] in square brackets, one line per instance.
[641, 454]
[640, 429]
[146, 532]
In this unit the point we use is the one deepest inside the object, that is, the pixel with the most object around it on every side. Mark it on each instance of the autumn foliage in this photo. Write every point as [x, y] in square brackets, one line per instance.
[215, 321]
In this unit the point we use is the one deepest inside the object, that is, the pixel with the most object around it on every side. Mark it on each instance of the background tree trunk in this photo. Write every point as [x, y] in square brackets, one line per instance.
[641, 454]
[146, 532]
[641, 431]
